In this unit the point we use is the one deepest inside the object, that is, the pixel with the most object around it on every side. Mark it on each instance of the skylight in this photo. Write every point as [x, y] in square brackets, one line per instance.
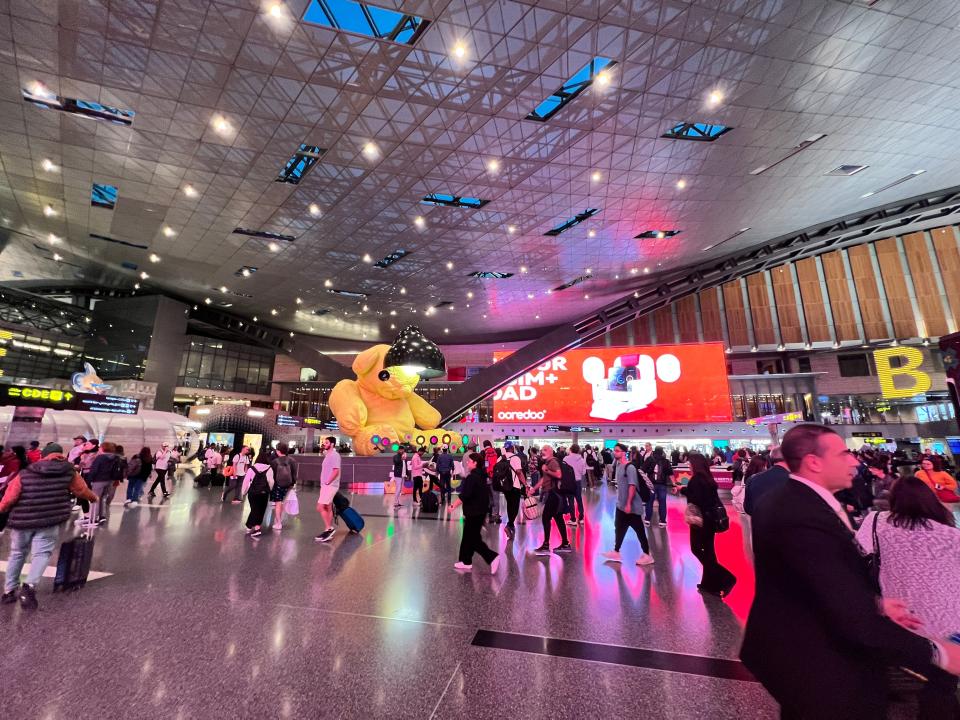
[490, 275]
[104, 196]
[454, 201]
[264, 234]
[575, 281]
[300, 164]
[79, 107]
[703, 132]
[570, 89]
[573, 222]
[659, 234]
[391, 258]
[348, 293]
[366, 20]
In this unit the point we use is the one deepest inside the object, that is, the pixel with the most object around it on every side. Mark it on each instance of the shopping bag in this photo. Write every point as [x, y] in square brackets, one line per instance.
[291, 505]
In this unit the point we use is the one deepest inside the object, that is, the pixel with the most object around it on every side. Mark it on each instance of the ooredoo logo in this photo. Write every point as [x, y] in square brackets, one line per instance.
[521, 415]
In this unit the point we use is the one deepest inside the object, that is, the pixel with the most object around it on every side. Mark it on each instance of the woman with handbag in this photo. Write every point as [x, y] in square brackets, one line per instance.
[702, 500]
[915, 552]
[943, 484]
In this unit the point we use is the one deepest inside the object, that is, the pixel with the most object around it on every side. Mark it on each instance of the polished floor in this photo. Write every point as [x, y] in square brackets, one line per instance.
[196, 620]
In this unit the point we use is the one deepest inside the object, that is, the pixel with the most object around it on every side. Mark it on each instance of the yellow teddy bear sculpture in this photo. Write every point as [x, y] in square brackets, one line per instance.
[381, 402]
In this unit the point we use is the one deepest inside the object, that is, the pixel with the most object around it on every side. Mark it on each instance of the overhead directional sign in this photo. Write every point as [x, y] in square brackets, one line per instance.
[54, 399]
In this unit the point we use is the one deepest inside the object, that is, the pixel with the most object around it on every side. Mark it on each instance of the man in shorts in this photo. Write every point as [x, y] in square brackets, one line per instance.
[329, 485]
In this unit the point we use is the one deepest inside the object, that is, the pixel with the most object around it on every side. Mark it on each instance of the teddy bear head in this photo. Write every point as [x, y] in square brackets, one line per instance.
[391, 383]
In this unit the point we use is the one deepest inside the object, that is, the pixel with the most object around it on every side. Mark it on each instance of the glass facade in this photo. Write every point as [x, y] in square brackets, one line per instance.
[222, 365]
[29, 357]
[874, 409]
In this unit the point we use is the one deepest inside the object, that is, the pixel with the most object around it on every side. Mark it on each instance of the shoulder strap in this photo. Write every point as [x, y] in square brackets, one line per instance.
[876, 540]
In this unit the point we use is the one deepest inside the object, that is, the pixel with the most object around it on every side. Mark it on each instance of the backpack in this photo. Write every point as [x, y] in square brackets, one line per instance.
[283, 476]
[592, 461]
[502, 472]
[259, 484]
[117, 468]
[134, 466]
[568, 480]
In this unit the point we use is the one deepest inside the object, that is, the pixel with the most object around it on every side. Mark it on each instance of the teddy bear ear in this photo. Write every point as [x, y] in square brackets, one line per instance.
[369, 359]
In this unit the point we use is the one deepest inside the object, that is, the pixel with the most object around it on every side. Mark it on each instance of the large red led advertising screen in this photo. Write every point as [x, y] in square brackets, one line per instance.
[662, 383]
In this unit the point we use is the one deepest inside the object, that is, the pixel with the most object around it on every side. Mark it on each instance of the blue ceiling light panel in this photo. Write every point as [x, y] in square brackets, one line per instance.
[84, 108]
[367, 20]
[490, 275]
[391, 258]
[104, 196]
[701, 132]
[570, 89]
[659, 234]
[573, 222]
[454, 201]
[300, 164]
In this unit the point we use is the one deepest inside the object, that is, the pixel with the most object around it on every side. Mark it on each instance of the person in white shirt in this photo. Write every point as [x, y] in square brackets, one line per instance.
[579, 464]
[240, 463]
[163, 462]
[518, 482]
[212, 461]
[257, 484]
[329, 485]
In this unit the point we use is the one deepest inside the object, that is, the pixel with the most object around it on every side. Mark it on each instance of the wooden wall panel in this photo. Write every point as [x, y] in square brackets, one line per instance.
[868, 293]
[841, 304]
[663, 325]
[925, 285]
[787, 312]
[895, 285]
[710, 315]
[687, 318]
[736, 314]
[641, 330]
[945, 245]
[813, 309]
[760, 310]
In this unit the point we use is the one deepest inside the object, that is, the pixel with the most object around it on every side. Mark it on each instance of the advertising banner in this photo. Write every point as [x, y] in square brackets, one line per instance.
[652, 384]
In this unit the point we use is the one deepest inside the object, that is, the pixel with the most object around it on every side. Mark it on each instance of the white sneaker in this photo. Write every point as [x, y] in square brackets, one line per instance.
[495, 565]
[278, 527]
[645, 559]
[461, 566]
[572, 523]
[612, 556]
[647, 523]
[134, 503]
[663, 524]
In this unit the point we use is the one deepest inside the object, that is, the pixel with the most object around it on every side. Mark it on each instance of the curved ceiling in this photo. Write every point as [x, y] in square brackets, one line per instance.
[225, 92]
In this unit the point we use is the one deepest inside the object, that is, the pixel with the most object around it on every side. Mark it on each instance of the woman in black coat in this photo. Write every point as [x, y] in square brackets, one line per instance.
[702, 492]
[474, 496]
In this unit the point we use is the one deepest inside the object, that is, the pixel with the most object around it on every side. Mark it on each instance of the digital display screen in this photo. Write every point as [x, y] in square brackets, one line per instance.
[30, 396]
[644, 384]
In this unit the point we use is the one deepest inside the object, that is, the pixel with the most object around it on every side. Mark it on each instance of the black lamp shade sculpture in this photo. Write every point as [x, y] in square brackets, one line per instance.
[413, 351]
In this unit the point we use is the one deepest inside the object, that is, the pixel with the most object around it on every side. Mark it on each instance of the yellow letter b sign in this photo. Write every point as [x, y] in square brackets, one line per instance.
[914, 381]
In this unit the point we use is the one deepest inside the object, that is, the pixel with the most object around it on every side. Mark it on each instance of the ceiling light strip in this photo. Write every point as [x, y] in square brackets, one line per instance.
[896, 182]
[804, 144]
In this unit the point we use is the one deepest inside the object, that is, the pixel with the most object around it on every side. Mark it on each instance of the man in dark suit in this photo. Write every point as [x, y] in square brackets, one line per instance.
[817, 637]
[763, 482]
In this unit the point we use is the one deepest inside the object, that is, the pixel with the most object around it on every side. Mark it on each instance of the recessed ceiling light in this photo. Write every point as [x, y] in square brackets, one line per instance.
[255, 319]
[511, 229]
[291, 333]
[493, 164]
[273, 247]
[38, 89]
[311, 328]
[470, 294]
[245, 272]
[136, 286]
[536, 317]
[48, 165]
[592, 233]
[586, 297]
[449, 265]
[365, 308]
[403, 291]
[616, 277]
[49, 211]
[588, 271]
[633, 271]
[144, 276]
[529, 296]
[371, 151]
[393, 313]
[327, 283]
[459, 51]
[207, 300]
[273, 311]
[169, 231]
[446, 330]
[54, 239]
[523, 269]
[367, 258]
[276, 10]
[154, 258]
[715, 98]
[646, 269]
[484, 317]
[189, 191]
[392, 326]
[681, 184]
[57, 257]
[595, 177]
[223, 289]
[221, 125]
[299, 301]
[419, 221]
[603, 77]
[314, 210]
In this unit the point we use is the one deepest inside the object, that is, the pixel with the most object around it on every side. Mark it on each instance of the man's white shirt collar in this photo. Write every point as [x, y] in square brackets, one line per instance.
[827, 496]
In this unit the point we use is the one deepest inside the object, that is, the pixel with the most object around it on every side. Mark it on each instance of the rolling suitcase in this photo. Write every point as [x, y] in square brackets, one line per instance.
[73, 564]
[429, 502]
[352, 519]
